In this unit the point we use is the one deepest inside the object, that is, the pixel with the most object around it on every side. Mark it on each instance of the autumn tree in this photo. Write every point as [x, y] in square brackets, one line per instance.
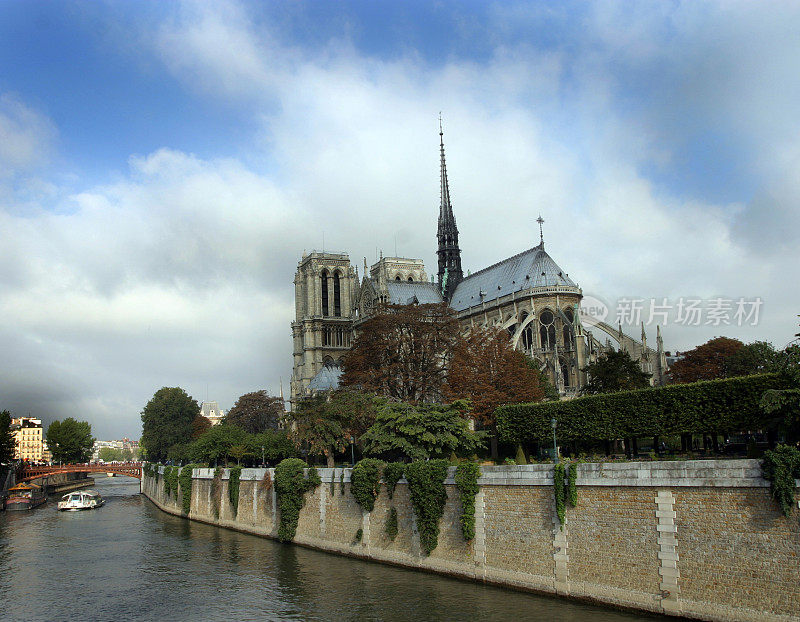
[200, 425]
[403, 352]
[706, 362]
[613, 371]
[255, 412]
[486, 370]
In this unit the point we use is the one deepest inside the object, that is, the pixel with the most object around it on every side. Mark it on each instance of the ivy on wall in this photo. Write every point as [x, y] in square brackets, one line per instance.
[390, 528]
[233, 488]
[293, 478]
[730, 404]
[365, 482]
[781, 466]
[216, 491]
[467, 474]
[185, 481]
[392, 473]
[428, 498]
[341, 482]
[170, 480]
[572, 487]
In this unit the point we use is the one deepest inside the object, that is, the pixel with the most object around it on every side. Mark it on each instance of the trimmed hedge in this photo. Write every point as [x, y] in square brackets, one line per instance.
[727, 405]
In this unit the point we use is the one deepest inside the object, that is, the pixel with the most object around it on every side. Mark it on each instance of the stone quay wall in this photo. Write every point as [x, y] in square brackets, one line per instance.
[699, 539]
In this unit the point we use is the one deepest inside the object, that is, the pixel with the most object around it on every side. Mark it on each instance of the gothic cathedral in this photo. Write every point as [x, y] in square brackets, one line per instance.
[528, 295]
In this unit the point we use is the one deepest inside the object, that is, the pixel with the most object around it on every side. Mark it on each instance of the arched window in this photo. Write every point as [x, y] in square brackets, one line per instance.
[527, 334]
[565, 373]
[411, 279]
[547, 329]
[337, 295]
[324, 279]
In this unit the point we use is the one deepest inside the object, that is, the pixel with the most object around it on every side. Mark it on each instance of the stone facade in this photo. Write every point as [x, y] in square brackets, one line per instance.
[700, 539]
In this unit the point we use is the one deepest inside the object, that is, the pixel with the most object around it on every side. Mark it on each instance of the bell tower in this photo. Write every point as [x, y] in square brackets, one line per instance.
[325, 290]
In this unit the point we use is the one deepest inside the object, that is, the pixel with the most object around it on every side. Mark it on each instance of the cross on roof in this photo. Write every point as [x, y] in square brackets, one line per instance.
[540, 220]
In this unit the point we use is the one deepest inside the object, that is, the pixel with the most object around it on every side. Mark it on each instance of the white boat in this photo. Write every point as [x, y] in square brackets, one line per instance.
[80, 500]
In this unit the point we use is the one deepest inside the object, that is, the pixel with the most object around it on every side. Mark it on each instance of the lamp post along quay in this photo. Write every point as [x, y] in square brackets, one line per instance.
[554, 423]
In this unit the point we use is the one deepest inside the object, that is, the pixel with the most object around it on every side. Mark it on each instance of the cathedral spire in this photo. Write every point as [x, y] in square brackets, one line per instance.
[450, 273]
[540, 220]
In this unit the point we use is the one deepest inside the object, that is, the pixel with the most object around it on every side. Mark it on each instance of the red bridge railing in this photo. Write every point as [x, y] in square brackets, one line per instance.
[132, 469]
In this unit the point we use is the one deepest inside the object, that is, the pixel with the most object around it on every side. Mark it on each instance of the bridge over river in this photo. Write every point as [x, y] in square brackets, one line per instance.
[132, 469]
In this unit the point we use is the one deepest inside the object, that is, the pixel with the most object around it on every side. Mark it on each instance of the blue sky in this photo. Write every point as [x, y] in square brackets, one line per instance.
[163, 166]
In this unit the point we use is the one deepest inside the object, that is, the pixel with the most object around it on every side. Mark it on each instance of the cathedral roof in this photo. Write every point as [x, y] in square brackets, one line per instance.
[327, 378]
[407, 292]
[530, 268]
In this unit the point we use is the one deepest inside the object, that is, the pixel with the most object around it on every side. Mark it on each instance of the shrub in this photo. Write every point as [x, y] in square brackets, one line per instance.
[365, 482]
[428, 497]
[291, 484]
[467, 475]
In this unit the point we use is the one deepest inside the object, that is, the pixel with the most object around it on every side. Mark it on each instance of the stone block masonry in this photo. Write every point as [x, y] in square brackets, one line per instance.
[698, 539]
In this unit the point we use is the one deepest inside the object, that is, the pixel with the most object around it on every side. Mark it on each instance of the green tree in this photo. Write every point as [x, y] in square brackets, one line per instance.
[7, 444]
[614, 371]
[110, 454]
[275, 443]
[217, 444]
[70, 440]
[784, 404]
[759, 357]
[421, 431]
[318, 427]
[166, 421]
[255, 412]
[325, 423]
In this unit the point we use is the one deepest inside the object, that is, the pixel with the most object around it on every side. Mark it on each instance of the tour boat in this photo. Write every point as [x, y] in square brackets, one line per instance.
[25, 496]
[80, 500]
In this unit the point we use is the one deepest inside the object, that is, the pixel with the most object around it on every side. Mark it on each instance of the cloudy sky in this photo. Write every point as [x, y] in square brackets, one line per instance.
[163, 166]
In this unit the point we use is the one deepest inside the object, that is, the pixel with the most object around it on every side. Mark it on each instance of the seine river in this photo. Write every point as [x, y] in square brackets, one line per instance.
[130, 561]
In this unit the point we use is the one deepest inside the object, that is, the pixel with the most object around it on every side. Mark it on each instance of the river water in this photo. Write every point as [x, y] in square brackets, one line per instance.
[130, 561]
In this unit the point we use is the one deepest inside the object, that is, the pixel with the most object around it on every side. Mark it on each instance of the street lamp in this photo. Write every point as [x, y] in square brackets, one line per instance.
[352, 452]
[262, 456]
[554, 423]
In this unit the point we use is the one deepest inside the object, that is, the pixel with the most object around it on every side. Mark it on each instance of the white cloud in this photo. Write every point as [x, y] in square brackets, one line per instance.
[26, 136]
[180, 272]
